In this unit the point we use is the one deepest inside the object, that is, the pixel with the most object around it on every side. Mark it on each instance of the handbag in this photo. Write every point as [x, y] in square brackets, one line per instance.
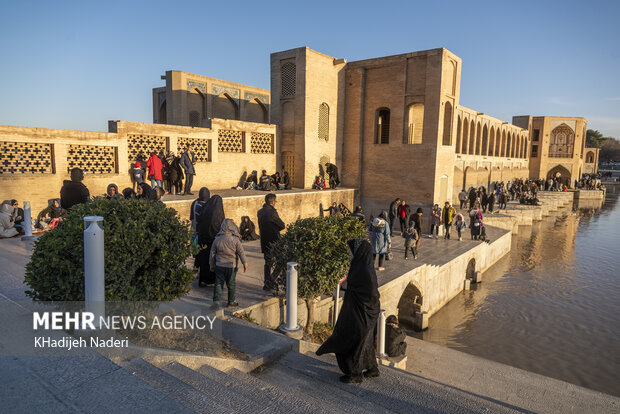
[389, 255]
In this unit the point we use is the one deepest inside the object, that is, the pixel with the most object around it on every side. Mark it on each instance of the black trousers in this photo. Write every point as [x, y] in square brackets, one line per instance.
[381, 259]
[403, 224]
[447, 226]
[189, 180]
[268, 281]
[414, 252]
[462, 202]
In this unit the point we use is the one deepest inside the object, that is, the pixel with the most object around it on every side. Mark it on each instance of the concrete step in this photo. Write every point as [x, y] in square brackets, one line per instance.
[399, 391]
[293, 373]
[219, 391]
[293, 402]
[178, 390]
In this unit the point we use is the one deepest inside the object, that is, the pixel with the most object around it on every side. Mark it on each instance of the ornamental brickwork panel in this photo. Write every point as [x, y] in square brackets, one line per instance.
[145, 144]
[261, 143]
[92, 159]
[26, 158]
[201, 147]
[230, 141]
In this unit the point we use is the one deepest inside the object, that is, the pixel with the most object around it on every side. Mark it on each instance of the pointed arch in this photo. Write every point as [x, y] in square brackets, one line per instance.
[225, 107]
[485, 140]
[458, 135]
[491, 150]
[465, 138]
[256, 111]
[472, 137]
[478, 139]
[447, 124]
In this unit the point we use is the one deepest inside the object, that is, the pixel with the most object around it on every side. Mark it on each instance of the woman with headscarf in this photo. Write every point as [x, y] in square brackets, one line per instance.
[354, 334]
[208, 226]
[7, 226]
[145, 192]
[380, 238]
[49, 217]
[247, 229]
[197, 205]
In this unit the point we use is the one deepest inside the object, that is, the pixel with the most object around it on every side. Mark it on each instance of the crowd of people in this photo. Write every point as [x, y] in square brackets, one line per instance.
[266, 182]
[590, 182]
[165, 171]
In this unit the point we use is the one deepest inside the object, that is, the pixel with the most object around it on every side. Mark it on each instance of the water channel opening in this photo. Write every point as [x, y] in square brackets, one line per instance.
[409, 304]
[471, 269]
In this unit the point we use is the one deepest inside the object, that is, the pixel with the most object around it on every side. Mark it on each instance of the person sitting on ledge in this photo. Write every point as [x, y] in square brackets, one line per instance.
[129, 193]
[334, 180]
[49, 217]
[286, 181]
[7, 226]
[112, 192]
[395, 336]
[247, 229]
[74, 191]
[145, 192]
[319, 183]
[266, 182]
[276, 180]
[251, 183]
[359, 213]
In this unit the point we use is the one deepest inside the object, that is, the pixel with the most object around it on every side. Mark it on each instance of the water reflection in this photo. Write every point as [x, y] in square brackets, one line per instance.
[551, 306]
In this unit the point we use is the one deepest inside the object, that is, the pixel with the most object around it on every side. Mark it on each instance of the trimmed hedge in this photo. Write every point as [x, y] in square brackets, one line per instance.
[146, 245]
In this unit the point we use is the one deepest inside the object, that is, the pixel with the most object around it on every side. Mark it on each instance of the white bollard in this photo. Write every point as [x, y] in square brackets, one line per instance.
[94, 267]
[337, 305]
[291, 327]
[381, 335]
[27, 221]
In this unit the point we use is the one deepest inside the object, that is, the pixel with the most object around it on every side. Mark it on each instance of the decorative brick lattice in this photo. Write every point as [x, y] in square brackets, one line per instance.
[324, 121]
[289, 77]
[230, 141]
[26, 158]
[200, 147]
[261, 143]
[92, 159]
[145, 144]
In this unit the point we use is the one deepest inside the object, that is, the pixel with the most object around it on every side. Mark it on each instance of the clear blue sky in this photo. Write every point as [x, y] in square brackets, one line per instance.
[75, 65]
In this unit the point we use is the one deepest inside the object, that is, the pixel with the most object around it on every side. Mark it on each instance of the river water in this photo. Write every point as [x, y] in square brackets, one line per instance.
[550, 306]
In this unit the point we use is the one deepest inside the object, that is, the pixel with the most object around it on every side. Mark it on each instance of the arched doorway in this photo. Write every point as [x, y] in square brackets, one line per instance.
[409, 305]
[561, 172]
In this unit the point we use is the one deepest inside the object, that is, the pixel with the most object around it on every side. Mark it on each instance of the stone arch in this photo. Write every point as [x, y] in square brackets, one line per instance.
[465, 137]
[382, 126]
[485, 140]
[562, 142]
[409, 305]
[589, 157]
[491, 149]
[471, 178]
[447, 124]
[472, 137]
[458, 135]
[503, 149]
[478, 139]
[470, 270]
[561, 171]
[256, 111]
[508, 143]
[225, 107]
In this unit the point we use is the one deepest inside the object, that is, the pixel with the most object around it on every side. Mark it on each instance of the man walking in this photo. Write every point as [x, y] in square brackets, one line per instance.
[188, 159]
[269, 225]
[447, 215]
[393, 212]
[403, 213]
[462, 198]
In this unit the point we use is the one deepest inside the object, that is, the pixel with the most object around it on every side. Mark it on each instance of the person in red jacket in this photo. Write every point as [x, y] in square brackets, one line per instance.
[154, 165]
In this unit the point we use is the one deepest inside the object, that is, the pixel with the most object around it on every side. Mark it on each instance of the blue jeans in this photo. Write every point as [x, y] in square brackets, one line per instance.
[153, 181]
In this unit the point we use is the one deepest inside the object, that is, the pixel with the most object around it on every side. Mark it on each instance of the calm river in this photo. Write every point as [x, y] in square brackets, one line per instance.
[552, 305]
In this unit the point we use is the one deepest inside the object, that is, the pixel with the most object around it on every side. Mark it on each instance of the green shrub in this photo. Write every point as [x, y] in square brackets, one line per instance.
[319, 246]
[146, 246]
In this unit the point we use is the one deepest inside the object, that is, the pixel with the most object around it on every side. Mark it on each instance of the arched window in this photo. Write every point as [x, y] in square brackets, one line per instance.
[491, 151]
[472, 137]
[324, 121]
[561, 142]
[485, 140]
[502, 152]
[458, 135]
[478, 139]
[382, 128]
[416, 123]
[590, 157]
[465, 136]
[447, 124]
[508, 144]
[288, 72]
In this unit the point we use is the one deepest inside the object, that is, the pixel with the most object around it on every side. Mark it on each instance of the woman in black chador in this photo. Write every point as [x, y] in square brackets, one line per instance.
[247, 229]
[207, 226]
[354, 334]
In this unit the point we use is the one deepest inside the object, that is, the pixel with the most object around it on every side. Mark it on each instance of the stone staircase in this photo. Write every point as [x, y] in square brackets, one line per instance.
[306, 384]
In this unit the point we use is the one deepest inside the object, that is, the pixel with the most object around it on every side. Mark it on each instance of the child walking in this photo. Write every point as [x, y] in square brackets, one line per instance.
[225, 255]
[411, 238]
[459, 223]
